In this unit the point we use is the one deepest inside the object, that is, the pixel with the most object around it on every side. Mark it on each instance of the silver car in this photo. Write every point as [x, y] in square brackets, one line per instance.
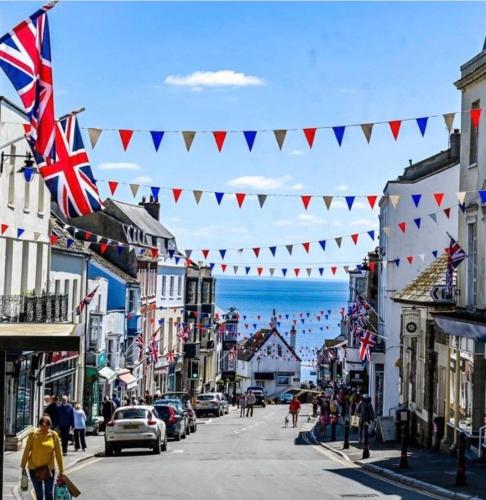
[135, 427]
[210, 403]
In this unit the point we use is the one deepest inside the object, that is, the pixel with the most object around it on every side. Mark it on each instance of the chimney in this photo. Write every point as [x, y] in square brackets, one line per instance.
[293, 337]
[152, 206]
[455, 144]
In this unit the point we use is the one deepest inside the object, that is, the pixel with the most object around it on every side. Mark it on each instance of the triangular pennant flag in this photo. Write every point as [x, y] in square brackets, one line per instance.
[94, 135]
[367, 129]
[240, 198]
[222, 252]
[103, 248]
[433, 216]
[256, 251]
[219, 137]
[297, 271]
[449, 120]
[402, 226]
[387, 231]
[462, 207]
[28, 173]
[259, 270]
[86, 244]
[321, 270]
[250, 138]
[397, 262]
[410, 259]
[395, 127]
[309, 271]
[272, 270]
[422, 124]
[176, 192]
[205, 253]
[333, 270]
[438, 198]
[171, 253]
[219, 197]
[119, 248]
[273, 250]
[350, 201]
[188, 136]
[422, 257]
[447, 212]
[475, 116]
[339, 133]
[235, 269]
[306, 246]
[417, 221]
[289, 248]
[223, 267]
[36, 234]
[372, 200]
[372, 265]
[53, 239]
[197, 195]
[126, 137]
[155, 192]
[310, 134]
[280, 137]
[284, 271]
[134, 188]
[305, 200]
[372, 234]
[247, 270]
[157, 136]
[20, 232]
[482, 196]
[346, 269]
[211, 265]
[188, 253]
[338, 241]
[112, 185]
[394, 199]
[416, 199]
[435, 253]
[384, 263]
[323, 245]
[3, 228]
[327, 201]
[461, 196]
[355, 237]
[261, 199]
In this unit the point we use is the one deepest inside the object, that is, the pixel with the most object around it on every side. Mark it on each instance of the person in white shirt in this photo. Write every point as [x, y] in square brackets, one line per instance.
[79, 428]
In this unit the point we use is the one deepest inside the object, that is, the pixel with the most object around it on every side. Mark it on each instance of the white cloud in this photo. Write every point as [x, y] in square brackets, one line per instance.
[364, 222]
[122, 165]
[259, 182]
[301, 220]
[297, 152]
[142, 179]
[223, 78]
[342, 187]
[297, 186]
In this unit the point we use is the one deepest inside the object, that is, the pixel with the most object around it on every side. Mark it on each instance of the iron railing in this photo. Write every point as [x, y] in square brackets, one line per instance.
[46, 308]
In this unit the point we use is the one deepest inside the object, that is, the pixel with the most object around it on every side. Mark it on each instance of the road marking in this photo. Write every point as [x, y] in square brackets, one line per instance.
[176, 451]
[84, 464]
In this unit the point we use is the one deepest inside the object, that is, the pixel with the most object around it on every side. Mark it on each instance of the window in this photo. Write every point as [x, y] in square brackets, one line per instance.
[206, 292]
[179, 286]
[94, 331]
[24, 282]
[40, 194]
[269, 350]
[283, 380]
[471, 264]
[191, 292]
[11, 187]
[164, 284]
[171, 289]
[132, 301]
[279, 350]
[473, 138]
[39, 277]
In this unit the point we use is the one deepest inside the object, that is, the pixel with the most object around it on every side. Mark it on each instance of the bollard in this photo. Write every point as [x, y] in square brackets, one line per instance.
[346, 435]
[403, 455]
[333, 427]
[461, 461]
[366, 448]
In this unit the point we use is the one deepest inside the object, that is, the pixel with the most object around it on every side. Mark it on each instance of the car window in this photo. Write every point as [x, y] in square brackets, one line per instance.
[162, 411]
[131, 413]
[205, 397]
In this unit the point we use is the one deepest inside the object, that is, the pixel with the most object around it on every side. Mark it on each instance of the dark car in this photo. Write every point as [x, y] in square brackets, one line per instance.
[185, 400]
[174, 421]
[178, 406]
[259, 395]
[183, 396]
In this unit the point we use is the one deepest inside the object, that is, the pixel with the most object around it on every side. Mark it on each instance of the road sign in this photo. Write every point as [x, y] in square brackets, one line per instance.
[440, 294]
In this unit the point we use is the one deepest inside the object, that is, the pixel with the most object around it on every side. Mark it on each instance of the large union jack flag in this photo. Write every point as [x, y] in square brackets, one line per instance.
[25, 56]
[367, 341]
[69, 176]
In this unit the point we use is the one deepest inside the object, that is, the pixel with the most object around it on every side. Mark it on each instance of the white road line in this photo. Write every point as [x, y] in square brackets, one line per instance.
[175, 451]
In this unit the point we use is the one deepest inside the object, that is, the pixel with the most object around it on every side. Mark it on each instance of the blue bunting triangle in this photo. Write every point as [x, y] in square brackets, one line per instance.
[247, 270]
[422, 124]
[155, 192]
[417, 221]
[222, 252]
[339, 133]
[321, 270]
[171, 253]
[273, 250]
[482, 196]
[416, 199]
[219, 197]
[435, 253]
[323, 245]
[359, 268]
[286, 316]
[28, 173]
[177, 259]
[372, 234]
[397, 262]
[20, 232]
[350, 201]
[462, 206]
[250, 138]
[211, 265]
[69, 242]
[156, 138]
[284, 271]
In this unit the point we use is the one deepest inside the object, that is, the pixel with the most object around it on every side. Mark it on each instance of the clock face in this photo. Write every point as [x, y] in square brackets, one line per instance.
[411, 327]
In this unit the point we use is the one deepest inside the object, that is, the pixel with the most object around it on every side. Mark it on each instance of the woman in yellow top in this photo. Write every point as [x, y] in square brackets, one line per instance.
[42, 447]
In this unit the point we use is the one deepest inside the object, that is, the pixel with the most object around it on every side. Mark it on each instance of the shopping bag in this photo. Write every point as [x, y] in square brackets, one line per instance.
[73, 489]
[24, 482]
[355, 421]
[61, 492]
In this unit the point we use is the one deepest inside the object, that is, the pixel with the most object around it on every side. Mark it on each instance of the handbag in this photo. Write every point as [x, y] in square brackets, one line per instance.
[61, 492]
[43, 473]
[73, 489]
[355, 421]
[24, 482]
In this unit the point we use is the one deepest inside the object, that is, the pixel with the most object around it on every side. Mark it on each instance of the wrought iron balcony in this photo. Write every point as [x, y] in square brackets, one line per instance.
[34, 308]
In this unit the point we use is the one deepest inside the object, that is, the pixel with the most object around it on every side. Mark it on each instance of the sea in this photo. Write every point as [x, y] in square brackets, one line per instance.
[312, 306]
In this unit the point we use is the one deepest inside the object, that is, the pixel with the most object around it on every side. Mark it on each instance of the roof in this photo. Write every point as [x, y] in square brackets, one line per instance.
[258, 340]
[13, 107]
[63, 235]
[419, 290]
[138, 216]
[112, 268]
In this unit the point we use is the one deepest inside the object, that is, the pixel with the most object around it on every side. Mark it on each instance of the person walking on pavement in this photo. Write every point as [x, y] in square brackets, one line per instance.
[366, 414]
[107, 410]
[79, 428]
[51, 409]
[294, 409]
[116, 400]
[40, 453]
[242, 403]
[250, 403]
[65, 422]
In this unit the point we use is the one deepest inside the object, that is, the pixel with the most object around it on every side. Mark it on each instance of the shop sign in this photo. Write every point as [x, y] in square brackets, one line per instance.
[58, 356]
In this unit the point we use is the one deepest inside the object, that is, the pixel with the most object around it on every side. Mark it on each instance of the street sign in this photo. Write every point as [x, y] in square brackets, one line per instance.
[439, 293]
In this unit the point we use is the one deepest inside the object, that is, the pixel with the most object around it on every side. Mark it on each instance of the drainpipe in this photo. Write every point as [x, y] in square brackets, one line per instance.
[457, 390]
[447, 394]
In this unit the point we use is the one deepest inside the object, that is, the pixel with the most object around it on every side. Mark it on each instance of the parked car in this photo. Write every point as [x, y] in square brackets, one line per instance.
[186, 404]
[135, 427]
[175, 422]
[94, 426]
[183, 396]
[224, 402]
[209, 403]
[179, 408]
[285, 398]
[259, 395]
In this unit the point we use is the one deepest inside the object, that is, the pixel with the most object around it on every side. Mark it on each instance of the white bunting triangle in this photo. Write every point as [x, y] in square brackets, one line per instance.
[461, 196]
[394, 199]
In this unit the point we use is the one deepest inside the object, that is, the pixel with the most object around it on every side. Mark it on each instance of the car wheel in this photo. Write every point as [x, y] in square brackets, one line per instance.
[164, 444]
[177, 437]
[108, 450]
[157, 446]
[117, 451]
[184, 434]
[217, 414]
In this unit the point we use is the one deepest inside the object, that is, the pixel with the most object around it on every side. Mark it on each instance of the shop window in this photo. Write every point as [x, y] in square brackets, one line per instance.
[283, 380]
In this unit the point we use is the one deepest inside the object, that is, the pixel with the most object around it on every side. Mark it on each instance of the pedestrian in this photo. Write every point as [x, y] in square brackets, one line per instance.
[250, 403]
[294, 409]
[64, 421]
[40, 454]
[107, 410]
[366, 414]
[314, 407]
[126, 401]
[324, 417]
[116, 400]
[148, 398]
[79, 428]
[242, 404]
[51, 409]
[141, 401]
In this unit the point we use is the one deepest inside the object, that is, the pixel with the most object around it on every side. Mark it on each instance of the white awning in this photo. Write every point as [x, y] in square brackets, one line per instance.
[127, 378]
[107, 373]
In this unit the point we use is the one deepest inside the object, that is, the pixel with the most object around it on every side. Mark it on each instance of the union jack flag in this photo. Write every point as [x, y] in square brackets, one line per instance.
[25, 56]
[154, 350]
[68, 176]
[233, 354]
[170, 357]
[85, 301]
[139, 341]
[455, 255]
[367, 341]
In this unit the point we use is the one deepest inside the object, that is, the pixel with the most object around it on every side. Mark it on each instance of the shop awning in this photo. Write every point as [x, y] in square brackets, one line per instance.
[462, 324]
[107, 373]
[127, 378]
[46, 337]
[264, 376]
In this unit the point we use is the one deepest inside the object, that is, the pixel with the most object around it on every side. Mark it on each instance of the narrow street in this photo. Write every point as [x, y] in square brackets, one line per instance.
[234, 458]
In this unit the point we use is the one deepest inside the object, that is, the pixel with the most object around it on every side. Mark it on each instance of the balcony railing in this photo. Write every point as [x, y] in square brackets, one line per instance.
[34, 308]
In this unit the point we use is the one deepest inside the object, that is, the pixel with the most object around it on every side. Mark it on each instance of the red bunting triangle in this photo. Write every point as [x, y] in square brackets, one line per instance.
[176, 193]
[112, 185]
[240, 198]
[333, 270]
[3, 228]
[87, 235]
[310, 134]
[205, 253]
[306, 246]
[54, 239]
[372, 266]
[355, 237]
[103, 248]
[475, 116]
[410, 259]
[403, 226]
[223, 267]
[447, 212]
[219, 137]
[297, 271]
[126, 137]
[154, 252]
[256, 251]
[188, 264]
[438, 198]
[259, 270]
[395, 127]
[306, 200]
[372, 200]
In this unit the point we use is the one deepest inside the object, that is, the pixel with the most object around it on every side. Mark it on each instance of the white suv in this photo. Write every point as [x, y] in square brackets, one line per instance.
[135, 427]
[211, 402]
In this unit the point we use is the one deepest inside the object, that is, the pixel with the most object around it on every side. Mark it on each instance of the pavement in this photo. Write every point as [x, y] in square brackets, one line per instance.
[234, 458]
[426, 468]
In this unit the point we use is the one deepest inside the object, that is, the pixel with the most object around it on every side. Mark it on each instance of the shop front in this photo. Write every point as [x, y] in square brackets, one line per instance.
[60, 374]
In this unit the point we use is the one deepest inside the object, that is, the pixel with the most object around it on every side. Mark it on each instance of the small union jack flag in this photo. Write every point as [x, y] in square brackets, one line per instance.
[154, 351]
[455, 255]
[85, 301]
[139, 341]
[367, 341]
[25, 56]
[233, 354]
[170, 357]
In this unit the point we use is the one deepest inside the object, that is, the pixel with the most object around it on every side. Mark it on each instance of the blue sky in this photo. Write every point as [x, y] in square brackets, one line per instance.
[316, 64]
